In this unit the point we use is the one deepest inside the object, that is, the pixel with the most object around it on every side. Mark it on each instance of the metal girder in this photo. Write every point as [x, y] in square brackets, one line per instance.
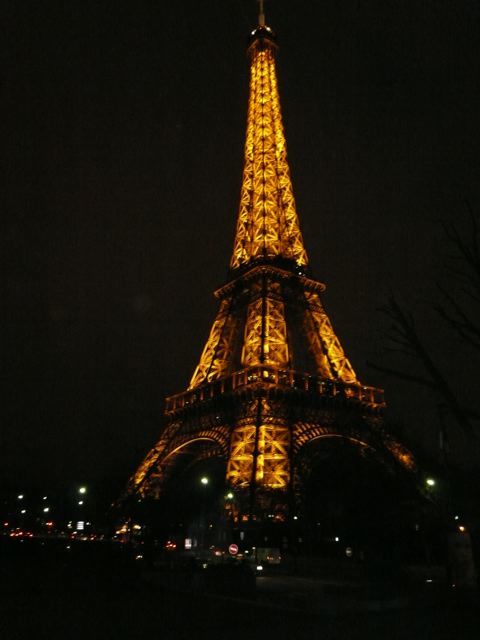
[216, 356]
[265, 337]
[332, 363]
[259, 449]
[267, 219]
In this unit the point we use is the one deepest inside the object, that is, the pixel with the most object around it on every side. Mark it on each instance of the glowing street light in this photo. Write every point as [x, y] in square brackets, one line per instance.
[204, 480]
[80, 502]
[229, 495]
[20, 496]
[46, 510]
[23, 511]
[430, 482]
[82, 490]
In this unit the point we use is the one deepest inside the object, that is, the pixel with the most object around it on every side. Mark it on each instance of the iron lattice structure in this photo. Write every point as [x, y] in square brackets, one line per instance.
[273, 376]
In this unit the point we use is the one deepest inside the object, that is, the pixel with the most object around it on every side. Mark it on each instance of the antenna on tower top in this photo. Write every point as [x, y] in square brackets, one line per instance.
[261, 14]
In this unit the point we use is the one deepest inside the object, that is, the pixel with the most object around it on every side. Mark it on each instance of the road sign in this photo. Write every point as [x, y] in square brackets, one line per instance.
[233, 549]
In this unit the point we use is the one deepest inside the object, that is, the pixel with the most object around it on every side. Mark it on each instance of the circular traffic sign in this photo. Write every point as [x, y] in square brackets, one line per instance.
[233, 549]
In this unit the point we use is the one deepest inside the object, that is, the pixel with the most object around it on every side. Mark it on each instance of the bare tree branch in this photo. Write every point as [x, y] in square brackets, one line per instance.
[468, 250]
[458, 320]
[403, 375]
[405, 328]
[458, 309]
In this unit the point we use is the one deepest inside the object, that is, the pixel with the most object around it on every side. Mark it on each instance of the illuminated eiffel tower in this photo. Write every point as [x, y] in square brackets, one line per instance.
[273, 377]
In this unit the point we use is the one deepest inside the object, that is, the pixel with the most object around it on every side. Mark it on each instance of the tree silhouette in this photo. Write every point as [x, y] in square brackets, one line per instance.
[458, 308]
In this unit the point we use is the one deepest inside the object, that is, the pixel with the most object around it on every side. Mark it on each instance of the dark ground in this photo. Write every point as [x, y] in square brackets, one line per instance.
[44, 594]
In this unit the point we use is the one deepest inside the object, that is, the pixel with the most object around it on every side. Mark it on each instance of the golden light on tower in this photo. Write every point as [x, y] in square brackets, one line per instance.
[273, 376]
[267, 221]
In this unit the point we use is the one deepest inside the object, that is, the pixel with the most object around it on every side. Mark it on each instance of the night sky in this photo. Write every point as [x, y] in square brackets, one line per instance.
[122, 140]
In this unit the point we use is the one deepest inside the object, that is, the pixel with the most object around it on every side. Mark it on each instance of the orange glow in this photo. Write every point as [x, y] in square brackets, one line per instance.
[403, 456]
[267, 219]
[272, 352]
[272, 464]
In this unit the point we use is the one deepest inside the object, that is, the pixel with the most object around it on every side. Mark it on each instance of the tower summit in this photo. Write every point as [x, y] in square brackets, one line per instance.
[273, 378]
[261, 13]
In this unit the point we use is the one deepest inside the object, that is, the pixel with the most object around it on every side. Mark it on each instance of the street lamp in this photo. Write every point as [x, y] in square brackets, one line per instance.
[20, 496]
[430, 482]
[204, 481]
[82, 490]
[229, 495]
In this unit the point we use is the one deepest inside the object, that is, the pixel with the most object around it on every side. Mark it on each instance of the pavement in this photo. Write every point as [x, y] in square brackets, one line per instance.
[139, 611]
[327, 596]
[57, 598]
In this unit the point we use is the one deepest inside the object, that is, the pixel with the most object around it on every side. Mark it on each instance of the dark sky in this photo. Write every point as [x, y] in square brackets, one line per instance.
[122, 137]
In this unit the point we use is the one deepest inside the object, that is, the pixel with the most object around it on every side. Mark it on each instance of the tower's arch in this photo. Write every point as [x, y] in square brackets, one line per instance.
[179, 453]
[353, 494]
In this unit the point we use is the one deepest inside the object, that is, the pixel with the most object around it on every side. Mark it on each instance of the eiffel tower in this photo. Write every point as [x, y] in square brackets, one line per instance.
[273, 377]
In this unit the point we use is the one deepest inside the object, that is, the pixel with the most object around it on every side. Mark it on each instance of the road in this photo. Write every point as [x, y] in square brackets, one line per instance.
[57, 600]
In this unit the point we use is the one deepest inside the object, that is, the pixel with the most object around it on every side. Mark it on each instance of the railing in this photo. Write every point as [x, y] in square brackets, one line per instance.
[280, 378]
